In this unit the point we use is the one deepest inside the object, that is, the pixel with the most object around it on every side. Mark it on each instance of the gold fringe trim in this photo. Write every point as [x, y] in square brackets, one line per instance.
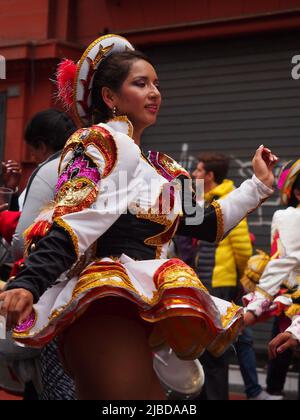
[230, 314]
[296, 295]
[220, 221]
[292, 311]
[64, 225]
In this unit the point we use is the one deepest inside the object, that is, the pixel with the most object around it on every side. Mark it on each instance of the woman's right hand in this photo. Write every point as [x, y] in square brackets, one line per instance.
[16, 305]
[263, 164]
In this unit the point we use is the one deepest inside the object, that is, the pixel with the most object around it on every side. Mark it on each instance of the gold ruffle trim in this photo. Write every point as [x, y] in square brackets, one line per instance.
[123, 118]
[116, 277]
[222, 341]
[220, 221]
[230, 314]
[176, 279]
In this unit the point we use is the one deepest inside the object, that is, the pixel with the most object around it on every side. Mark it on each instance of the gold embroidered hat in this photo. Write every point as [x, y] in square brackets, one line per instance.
[75, 81]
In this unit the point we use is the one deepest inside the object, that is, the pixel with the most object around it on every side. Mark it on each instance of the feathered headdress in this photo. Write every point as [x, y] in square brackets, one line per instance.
[65, 77]
[75, 81]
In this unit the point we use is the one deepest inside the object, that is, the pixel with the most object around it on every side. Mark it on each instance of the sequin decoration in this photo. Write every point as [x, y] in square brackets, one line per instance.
[166, 166]
[77, 186]
[175, 273]
[74, 196]
[80, 167]
[35, 232]
[26, 325]
[101, 139]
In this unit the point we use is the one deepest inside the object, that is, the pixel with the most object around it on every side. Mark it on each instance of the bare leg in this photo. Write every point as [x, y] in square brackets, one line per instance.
[108, 354]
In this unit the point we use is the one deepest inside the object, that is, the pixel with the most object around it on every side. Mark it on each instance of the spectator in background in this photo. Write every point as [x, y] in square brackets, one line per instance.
[10, 176]
[220, 267]
[10, 173]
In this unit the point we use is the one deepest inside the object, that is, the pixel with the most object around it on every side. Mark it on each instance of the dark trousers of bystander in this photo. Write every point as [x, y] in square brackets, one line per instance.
[278, 368]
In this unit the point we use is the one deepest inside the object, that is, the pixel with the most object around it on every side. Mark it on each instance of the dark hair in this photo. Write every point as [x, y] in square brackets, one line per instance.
[51, 127]
[296, 186]
[111, 73]
[216, 163]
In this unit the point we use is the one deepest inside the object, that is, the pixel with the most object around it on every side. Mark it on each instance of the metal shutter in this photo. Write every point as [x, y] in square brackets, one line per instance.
[230, 95]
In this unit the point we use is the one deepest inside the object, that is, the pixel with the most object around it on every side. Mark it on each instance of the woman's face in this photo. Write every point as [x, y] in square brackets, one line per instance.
[139, 97]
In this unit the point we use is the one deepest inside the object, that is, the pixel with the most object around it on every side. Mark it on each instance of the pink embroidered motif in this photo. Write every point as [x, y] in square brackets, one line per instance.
[26, 325]
[79, 168]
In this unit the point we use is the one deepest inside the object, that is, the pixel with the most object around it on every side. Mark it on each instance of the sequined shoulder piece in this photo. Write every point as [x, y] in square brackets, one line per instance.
[77, 186]
[98, 137]
[166, 166]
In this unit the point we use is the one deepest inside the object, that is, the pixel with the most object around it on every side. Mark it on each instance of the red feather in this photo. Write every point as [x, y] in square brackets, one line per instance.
[65, 76]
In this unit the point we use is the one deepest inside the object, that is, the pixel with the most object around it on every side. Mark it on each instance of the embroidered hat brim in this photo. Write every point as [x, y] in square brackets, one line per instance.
[86, 69]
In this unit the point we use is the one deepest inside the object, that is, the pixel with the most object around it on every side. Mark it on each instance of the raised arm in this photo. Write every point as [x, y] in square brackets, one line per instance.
[223, 215]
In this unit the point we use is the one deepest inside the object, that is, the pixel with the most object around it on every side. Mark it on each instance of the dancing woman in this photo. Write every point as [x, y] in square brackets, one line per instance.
[99, 279]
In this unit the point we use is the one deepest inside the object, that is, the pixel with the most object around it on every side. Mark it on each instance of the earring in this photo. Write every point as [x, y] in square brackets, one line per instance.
[114, 111]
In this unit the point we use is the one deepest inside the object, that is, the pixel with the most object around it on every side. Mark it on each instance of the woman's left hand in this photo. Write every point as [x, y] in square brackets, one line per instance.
[16, 305]
[281, 343]
[263, 164]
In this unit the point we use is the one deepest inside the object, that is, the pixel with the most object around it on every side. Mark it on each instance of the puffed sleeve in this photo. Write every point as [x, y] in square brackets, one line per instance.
[223, 215]
[98, 178]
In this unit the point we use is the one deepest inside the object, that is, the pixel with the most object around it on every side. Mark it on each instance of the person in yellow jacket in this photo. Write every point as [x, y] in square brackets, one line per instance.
[220, 266]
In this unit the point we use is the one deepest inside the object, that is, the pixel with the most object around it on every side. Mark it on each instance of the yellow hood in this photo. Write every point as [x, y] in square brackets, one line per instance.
[220, 191]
